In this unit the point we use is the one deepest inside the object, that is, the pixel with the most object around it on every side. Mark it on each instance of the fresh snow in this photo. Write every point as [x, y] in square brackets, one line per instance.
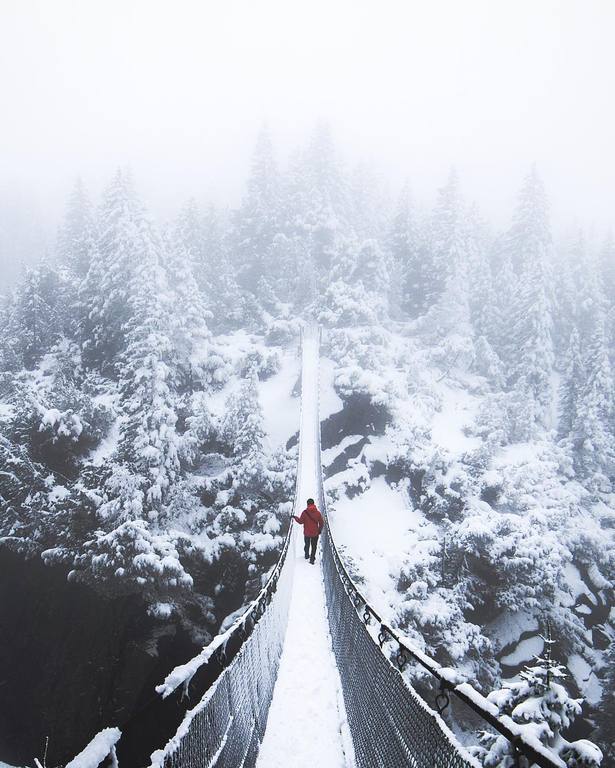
[585, 678]
[330, 401]
[58, 493]
[510, 626]
[457, 412]
[525, 651]
[108, 444]
[329, 455]
[376, 529]
[307, 723]
[6, 412]
[280, 408]
[96, 751]
[576, 585]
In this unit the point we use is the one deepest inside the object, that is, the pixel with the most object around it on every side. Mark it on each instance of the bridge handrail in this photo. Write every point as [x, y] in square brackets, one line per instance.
[182, 674]
[447, 678]
[534, 751]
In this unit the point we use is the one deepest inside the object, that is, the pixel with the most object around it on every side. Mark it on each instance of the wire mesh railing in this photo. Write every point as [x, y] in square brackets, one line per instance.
[227, 726]
[391, 724]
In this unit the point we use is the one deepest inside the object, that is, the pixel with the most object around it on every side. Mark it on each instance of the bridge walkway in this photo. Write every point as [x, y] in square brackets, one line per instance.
[307, 726]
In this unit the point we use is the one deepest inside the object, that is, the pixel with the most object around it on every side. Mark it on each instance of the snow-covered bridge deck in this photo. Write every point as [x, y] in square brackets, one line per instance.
[307, 721]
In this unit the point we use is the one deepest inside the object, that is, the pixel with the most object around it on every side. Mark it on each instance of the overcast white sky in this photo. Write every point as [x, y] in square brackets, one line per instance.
[179, 88]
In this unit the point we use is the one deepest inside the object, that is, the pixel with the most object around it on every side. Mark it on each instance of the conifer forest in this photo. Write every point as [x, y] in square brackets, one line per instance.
[150, 387]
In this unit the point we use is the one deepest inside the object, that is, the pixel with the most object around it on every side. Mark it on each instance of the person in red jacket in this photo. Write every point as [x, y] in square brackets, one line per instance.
[312, 523]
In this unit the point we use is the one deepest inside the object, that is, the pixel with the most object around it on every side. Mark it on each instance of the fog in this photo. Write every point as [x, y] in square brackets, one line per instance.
[178, 91]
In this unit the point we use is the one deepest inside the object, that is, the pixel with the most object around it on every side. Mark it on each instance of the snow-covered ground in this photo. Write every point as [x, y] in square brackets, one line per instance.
[307, 723]
[376, 529]
[280, 408]
[449, 425]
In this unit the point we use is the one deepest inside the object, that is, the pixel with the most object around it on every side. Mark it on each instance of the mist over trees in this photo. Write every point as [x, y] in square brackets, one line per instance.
[120, 380]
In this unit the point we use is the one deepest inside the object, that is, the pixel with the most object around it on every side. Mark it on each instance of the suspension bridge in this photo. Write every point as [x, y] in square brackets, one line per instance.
[310, 674]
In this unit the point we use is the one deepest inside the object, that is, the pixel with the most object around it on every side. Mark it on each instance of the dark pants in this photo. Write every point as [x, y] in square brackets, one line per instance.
[310, 543]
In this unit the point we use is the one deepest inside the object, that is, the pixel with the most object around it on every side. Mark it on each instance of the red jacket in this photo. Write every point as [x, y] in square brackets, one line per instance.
[311, 520]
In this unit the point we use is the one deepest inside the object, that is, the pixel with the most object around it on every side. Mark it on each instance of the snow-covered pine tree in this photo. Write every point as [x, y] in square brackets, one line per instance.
[529, 237]
[607, 268]
[244, 432]
[589, 300]
[258, 221]
[190, 232]
[148, 385]
[504, 289]
[571, 260]
[480, 279]
[214, 245]
[452, 247]
[318, 212]
[541, 705]
[447, 237]
[368, 204]
[592, 429]
[77, 236]
[486, 314]
[104, 293]
[35, 316]
[358, 288]
[203, 239]
[199, 364]
[530, 247]
[409, 260]
[570, 386]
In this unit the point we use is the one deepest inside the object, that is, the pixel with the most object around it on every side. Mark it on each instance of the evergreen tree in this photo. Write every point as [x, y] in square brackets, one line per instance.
[214, 257]
[592, 430]
[35, 316]
[482, 295]
[199, 364]
[77, 237]
[571, 385]
[540, 704]
[529, 237]
[409, 261]
[243, 431]
[358, 289]
[451, 246]
[124, 241]
[607, 269]
[447, 235]
[589, 300]
[203, 243]
[318, 214]
[504, 290]
[148, 385]
[367, 203]
[190, 232]
[529, 241]
[258, 220]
